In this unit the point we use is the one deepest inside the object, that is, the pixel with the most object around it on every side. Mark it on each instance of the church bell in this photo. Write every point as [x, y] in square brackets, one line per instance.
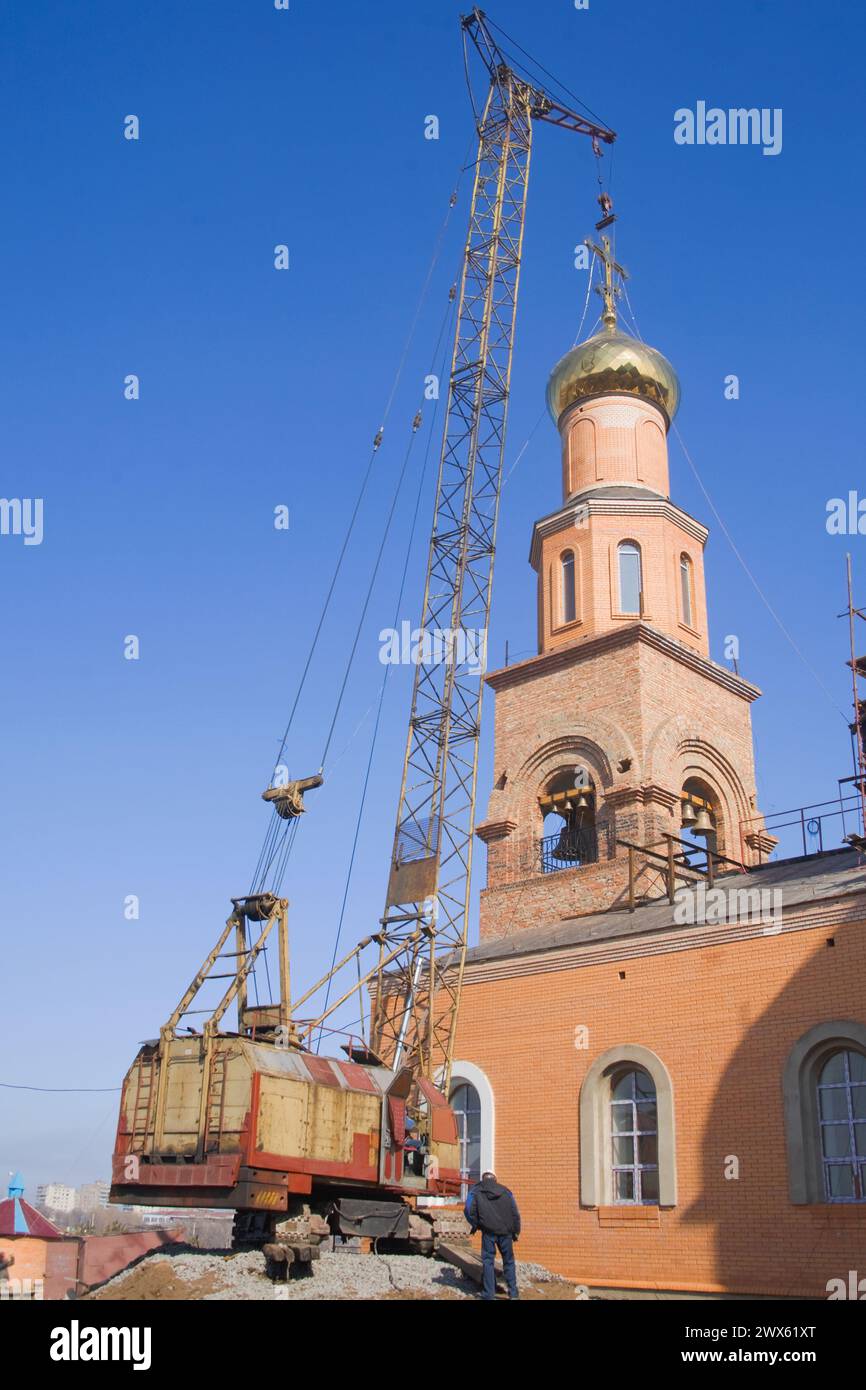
[689, 816]
[703, 824]
[566, 846]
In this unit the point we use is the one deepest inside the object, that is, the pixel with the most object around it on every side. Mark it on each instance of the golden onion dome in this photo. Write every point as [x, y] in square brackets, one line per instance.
[613, 363]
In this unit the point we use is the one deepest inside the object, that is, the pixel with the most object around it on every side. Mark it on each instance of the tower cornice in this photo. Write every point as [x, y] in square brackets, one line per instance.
[563, 657]
[592, 503]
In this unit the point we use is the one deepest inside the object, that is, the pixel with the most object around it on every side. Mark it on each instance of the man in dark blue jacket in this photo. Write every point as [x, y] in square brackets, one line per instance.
[491, 1209]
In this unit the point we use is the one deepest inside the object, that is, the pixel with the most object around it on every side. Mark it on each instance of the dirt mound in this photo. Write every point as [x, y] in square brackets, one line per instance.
[150, 1280]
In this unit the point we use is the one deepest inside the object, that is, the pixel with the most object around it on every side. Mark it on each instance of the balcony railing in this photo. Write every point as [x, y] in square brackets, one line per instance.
[809, 830]
[569, 849]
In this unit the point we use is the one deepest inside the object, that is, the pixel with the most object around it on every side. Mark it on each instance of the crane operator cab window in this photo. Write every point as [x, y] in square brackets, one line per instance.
[411, 1146]
[415, 1147]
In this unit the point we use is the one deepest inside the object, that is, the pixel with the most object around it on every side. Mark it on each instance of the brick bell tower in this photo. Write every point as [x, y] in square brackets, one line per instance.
[622, 727]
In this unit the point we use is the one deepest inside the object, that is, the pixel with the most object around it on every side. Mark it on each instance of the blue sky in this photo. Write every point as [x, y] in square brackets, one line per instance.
[261, 388]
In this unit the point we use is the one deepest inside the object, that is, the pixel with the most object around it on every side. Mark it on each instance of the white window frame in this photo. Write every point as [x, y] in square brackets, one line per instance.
[470, 1074]
[564, 595]
[687, 589]
[596, 1186]
[635, 1133]
[630, 547]
[800, 1100]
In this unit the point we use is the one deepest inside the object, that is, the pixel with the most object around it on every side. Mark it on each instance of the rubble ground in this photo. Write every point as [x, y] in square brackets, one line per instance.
[343, 1273]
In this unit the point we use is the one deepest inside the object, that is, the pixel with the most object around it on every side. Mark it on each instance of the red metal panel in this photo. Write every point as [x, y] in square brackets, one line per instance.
[448, 1181]
[253, 1117]
[321, 1069]
[443, 1125]
[217, 1197]
[358, 1079]
[397, 1115]
[432, 1095]
[220, 1170]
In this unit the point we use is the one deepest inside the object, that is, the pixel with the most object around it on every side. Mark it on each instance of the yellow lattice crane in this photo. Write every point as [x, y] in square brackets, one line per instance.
[255, 1119]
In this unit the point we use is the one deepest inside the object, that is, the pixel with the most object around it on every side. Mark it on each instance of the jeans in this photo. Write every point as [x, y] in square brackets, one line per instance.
[488, 1255]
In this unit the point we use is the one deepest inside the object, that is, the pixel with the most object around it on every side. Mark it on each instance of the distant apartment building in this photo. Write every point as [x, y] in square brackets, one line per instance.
[92, 1196]
[56, 1196]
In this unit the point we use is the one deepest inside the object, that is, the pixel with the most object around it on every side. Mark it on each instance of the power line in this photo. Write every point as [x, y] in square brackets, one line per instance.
[61, 1090]
[759, 591]
[734, 547]
[362, 491]
[381, 700]
[529, 438]
[446, 319]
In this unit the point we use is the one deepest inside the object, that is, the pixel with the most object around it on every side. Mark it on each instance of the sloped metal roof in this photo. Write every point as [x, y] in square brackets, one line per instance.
[802, 881]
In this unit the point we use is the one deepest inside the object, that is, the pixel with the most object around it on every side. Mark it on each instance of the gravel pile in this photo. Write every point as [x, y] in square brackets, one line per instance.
[536, 1274]
[343, 1273]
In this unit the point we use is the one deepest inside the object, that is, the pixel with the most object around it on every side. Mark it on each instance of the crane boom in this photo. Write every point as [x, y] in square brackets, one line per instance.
[417, 993]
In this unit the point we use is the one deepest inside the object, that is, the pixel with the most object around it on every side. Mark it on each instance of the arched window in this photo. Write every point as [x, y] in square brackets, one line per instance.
[627, 1135]
[630, 578]
[466, 1104]
[569, 837]
[568, 597]
[701, 817]
[686, 590]
[824, 1089]
[634, 1138]
[842, 1119]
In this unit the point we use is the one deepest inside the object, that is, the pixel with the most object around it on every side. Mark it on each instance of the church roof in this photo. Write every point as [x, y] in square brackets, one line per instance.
[802, 881]
[18, 1218]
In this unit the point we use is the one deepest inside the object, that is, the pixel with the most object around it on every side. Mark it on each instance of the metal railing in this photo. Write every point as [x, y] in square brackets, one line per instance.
[568, 849]
[807, 830]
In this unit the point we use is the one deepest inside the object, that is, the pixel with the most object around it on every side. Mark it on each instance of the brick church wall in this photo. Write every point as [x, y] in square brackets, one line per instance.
[723, 1020]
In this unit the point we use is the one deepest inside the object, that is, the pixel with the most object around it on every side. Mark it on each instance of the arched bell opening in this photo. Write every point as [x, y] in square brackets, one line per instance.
[700, 816]
[569, 832]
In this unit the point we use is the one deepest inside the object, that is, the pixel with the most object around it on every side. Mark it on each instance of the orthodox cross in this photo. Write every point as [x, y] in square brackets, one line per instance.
[608, 290]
